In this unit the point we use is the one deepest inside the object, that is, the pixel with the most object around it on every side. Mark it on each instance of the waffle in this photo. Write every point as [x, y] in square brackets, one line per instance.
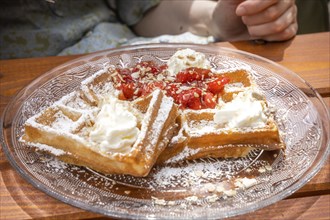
[66, 128]
[200, 136]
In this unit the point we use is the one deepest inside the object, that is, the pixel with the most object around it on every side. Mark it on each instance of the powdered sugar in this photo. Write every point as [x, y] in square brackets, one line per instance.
[62, 122]
[186, 153]
[95, 75]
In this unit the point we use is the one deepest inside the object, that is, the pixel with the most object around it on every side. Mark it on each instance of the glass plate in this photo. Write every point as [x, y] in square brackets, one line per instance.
[189, 189]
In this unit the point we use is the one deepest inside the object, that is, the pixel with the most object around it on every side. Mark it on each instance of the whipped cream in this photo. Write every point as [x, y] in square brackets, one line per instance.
[186, 58]
[245, 110]
[115, 128]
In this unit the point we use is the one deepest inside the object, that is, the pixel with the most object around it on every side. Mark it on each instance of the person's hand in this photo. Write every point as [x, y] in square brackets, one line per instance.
[271, 20]
[226, 20]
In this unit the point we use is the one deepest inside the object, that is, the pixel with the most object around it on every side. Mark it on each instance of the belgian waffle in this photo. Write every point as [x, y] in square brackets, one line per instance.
[199, 136]
[68, 123]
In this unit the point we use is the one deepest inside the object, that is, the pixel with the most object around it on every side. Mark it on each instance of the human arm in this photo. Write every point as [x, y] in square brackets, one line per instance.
[228, 20]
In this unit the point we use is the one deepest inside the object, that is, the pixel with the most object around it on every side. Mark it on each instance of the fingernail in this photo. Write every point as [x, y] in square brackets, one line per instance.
[240, 11]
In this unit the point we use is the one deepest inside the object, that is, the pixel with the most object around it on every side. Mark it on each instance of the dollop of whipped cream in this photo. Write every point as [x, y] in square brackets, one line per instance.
[115, 128]
[186, 58]
[245, 110]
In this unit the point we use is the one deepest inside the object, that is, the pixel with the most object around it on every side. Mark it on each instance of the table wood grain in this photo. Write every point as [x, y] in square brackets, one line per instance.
[306, 55]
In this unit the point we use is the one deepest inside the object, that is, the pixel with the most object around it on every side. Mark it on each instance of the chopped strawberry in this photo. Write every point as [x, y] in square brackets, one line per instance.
[203, 73]
[217, 85]
[190, 98]
[208, 100]
[124, 75]
[135, 69]
[154, 69]
[192, 74]
[128, 90]
[195, 104]
[171, 90]
[162, 67]
[146, 63]
[194, 88]
[150, 87]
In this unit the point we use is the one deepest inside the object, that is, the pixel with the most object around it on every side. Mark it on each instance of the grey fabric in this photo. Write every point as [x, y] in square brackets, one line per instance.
[31, 28]
[36, 28]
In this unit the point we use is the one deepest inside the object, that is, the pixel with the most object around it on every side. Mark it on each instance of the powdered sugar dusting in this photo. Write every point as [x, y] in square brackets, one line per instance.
[62, 122]
[190, 174]
[95, 75]
[147, 117]
[186, 153]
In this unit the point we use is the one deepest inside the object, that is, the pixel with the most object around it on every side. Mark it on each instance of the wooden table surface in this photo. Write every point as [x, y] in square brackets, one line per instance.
[307, 55]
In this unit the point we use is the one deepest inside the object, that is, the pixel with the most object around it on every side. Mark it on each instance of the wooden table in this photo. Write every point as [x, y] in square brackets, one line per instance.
[307, 55]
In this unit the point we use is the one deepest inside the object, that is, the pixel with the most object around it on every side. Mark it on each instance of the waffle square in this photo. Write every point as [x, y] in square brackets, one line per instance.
[67, 125]
[200, 136]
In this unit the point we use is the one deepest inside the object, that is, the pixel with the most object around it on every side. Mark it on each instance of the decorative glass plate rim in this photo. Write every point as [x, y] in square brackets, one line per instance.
[285, 193]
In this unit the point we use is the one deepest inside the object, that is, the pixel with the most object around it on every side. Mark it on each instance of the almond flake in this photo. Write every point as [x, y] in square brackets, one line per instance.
[121, 78]
[269, 168]
[135, 75]
[210, 187]
[136, 91]
[158, 201]
[230, 192]
[192, 198]
[261, 170]
[198, 173]
[212, 198]
[191, 57]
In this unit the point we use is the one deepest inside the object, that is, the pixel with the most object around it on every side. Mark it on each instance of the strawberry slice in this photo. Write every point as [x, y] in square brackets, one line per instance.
[163, 67]
[190, 98]
[128, 90]
[217, 85]
[208, 100]
[125, 75]
[171, 90]
[154, 69]
[150, 87]
[192, 74]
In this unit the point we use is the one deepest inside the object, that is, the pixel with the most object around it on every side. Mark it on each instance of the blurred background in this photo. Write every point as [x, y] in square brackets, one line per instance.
[313, 16]
[33, 28]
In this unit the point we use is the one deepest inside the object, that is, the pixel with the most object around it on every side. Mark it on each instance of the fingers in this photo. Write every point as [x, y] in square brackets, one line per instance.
[269, 19]
[268, 15]
[288, 33]
[283, 28]
[251, 7]
[273, 20]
